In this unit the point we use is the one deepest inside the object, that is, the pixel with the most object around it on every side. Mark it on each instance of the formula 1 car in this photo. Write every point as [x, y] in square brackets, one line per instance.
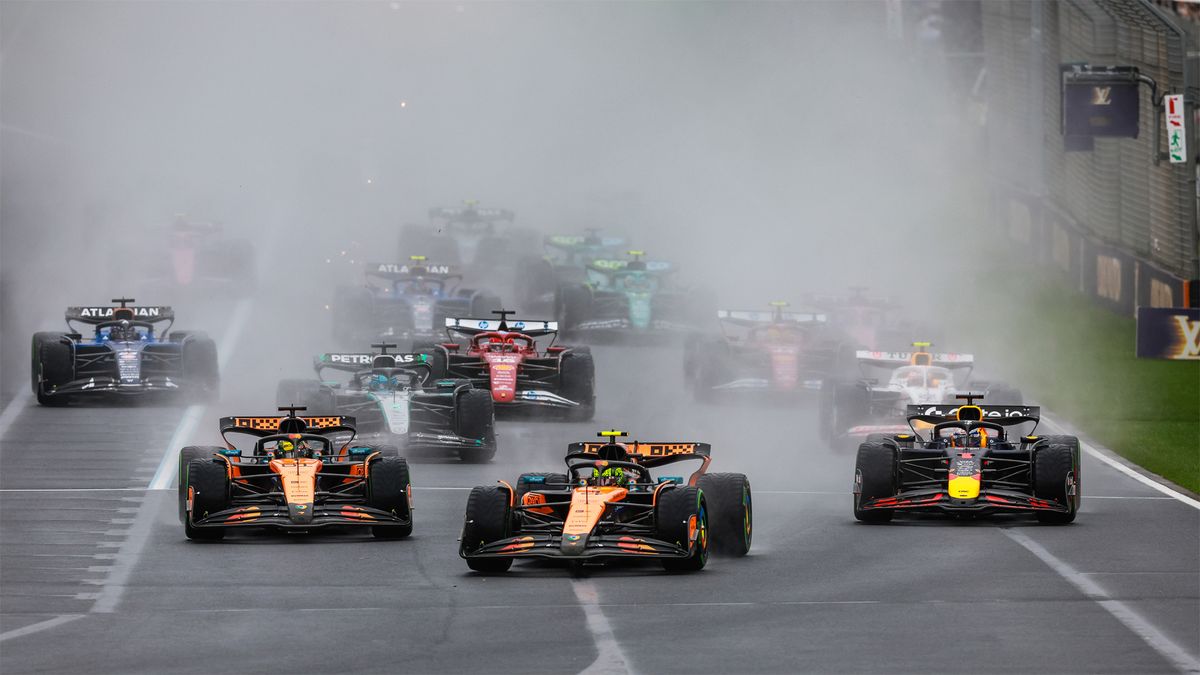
[626, 298]
[200, 257]
[775, 353]
[968, 464]
[850, 410]
[404, 301]
[564, 263]
[864, 322]
[608, 506]
[503, 356]
[295, 477]
[396, 401]
[124, 355]
[472, 236]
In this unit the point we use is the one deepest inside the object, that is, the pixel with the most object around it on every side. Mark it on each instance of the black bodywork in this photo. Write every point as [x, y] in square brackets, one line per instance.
[127, 354]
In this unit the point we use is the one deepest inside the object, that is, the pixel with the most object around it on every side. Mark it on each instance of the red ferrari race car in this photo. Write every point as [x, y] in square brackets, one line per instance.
[773, 353]
[503, 356]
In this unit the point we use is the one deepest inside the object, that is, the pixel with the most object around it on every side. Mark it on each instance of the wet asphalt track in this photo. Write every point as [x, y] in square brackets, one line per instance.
[96, 576]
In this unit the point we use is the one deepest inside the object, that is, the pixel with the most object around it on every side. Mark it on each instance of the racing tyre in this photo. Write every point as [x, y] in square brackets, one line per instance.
[388, 489]
[435, 357]
[488, 519]
[529, 482]
[850, 406]
[475, 418]
[210, 494]
[186, 455]
[577, 377]
[679, 511]
[1055, 467]
[52, 361]
[309, 394]
[731, 512]
[875, 477]
[574, 304]
[200, 367]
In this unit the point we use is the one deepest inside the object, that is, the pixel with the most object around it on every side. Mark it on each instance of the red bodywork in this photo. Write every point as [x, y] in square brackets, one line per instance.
[783, 346]
[504, 352]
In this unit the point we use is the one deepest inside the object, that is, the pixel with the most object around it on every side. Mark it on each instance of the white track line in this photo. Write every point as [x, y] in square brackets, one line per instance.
[14, 408]
[1174, 654]
[195, 413]
[1108, 457]
[610, 659]
[40, 626]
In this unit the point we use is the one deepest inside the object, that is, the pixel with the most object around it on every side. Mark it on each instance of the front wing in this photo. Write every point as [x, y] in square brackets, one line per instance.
[989, 501]
[278, 516]
[546, 545]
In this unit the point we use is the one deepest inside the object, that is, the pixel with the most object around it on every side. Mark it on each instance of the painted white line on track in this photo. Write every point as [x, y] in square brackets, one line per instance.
[40, 626]
[126, 489]
[195, 413]
[14, 408]
[1110, 458]
[610, 660]
[1174, 654]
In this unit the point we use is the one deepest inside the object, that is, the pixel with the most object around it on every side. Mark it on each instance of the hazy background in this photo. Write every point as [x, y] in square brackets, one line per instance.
[769, 148]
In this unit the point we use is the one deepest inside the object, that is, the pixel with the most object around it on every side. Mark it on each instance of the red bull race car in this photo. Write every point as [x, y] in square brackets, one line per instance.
[503, 356]
[297, 473]
[772, 353]
[608, 506]
[968, 460]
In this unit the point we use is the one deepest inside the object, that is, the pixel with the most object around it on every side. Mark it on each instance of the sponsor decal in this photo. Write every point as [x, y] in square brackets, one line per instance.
[106, 312]
[394, 268]
[1168, 333]
[364, 359]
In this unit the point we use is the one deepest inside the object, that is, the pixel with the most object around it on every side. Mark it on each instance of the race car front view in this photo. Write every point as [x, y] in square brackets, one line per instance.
[968, 465]
[503, 356]
[295, 477]
[125, 355]
[608, 505]
[395, 400]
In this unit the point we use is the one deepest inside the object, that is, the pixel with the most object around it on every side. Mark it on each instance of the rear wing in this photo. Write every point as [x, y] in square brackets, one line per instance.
[476, 326]
[606, 266]
[353, 363]
[470, 214]
[1000, 414]
[267, 426]
[140, 313]
[571, 242]
[739, 317]
[643, 449]
[943, 359]
[397, 271]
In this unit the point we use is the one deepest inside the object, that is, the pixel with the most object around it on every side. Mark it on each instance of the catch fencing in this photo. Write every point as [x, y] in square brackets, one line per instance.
[1120, 223]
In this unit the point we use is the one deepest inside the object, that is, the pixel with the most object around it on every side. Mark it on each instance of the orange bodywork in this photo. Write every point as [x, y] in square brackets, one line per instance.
[532, 499]
[299, 478]
[587, 507]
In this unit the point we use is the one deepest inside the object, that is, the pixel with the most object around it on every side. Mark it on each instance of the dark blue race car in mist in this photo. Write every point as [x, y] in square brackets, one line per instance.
[125, 355]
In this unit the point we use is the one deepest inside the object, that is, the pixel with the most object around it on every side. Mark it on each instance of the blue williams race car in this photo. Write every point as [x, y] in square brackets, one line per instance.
[404, 301]
[126, 354]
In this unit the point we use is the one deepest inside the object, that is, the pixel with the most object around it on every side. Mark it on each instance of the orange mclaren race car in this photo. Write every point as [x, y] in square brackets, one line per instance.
[608, 505]
[971, 462]
[296, 477]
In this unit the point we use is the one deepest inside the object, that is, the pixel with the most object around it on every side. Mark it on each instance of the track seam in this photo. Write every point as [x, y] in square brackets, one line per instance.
[610, 659]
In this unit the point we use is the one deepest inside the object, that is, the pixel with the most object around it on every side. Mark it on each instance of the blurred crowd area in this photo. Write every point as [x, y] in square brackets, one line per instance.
[1189, 9]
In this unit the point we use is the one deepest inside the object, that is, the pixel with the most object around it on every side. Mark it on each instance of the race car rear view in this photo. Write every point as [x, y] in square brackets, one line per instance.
[631, 299]
[564, 263]
[126, 355]
[969, 462]
[294, 477]
[773, 353]
[395, 400]
[404, 302]
[876, 401]
[608, 506]
[471, 236]
[503, 357]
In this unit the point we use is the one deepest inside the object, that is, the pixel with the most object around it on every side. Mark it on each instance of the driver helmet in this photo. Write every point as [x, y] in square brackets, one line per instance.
[379, 383]
[123, 331]
[613, 475]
